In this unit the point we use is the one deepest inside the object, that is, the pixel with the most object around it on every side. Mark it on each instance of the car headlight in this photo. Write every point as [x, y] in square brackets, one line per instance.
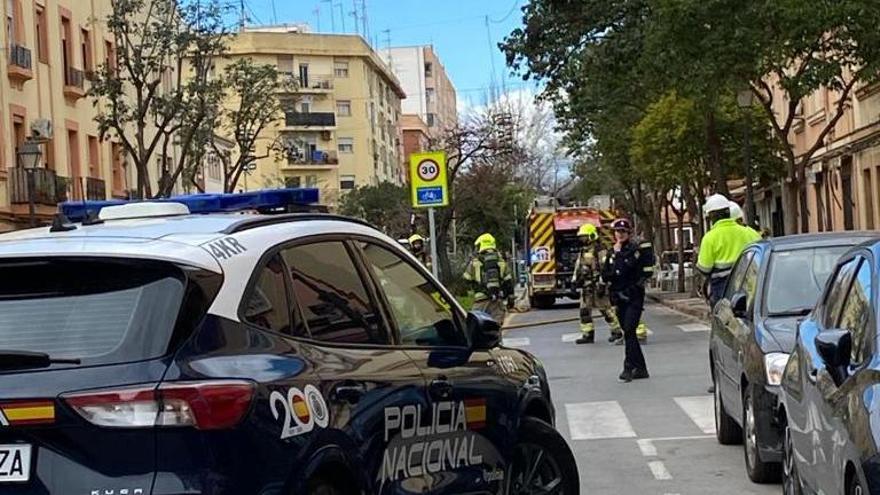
[774, 364]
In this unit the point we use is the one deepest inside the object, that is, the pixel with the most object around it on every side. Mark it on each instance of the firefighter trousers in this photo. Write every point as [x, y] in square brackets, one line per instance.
[590, 301]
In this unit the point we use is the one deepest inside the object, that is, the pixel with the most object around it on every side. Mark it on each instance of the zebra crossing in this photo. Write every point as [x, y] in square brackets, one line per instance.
[604, 420]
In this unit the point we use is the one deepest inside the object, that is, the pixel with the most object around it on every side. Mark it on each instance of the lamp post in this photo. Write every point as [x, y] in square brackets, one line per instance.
[29, 154]
[745, 100]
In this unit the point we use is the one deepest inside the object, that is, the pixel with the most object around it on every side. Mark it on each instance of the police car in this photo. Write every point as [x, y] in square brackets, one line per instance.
[185, 347]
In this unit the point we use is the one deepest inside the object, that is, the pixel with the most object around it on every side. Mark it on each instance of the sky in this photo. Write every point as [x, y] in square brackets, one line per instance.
[457, 29]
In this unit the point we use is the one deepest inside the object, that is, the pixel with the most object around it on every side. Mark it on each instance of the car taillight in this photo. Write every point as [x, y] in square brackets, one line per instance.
[211, 405]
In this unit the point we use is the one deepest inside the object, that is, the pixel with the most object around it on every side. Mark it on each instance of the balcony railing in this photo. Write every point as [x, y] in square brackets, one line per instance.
[315, 158]
[318, 119]
[96, 189]
[74, 78]
[49, 188]
[20, 56]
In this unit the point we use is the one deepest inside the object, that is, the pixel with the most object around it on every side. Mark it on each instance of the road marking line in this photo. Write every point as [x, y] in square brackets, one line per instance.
[516, 341]
[694, 327]
[647, 447]
[680, 439]
[598, 420]
[571, 337]
[658, 469]
[701, 410]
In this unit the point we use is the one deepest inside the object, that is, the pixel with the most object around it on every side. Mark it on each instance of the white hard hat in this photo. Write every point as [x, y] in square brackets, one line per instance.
[735, 211]
[715, 202]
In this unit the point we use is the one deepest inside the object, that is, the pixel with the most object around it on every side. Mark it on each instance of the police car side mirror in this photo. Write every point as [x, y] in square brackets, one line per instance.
[484, 331]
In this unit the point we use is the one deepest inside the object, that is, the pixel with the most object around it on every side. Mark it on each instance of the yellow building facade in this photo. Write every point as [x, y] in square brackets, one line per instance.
[51, 46]
[341, 127]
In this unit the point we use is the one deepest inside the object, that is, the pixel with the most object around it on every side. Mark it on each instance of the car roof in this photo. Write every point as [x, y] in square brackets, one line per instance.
[822, 239]
[179, 239]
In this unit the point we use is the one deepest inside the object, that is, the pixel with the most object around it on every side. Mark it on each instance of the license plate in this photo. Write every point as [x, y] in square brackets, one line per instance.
[15, 463]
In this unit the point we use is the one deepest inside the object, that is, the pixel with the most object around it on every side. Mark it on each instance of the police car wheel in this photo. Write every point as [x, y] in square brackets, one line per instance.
[321, 486]
[543, 463]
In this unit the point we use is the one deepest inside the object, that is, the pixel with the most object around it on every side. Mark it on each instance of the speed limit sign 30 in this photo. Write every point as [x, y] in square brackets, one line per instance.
[428, 170]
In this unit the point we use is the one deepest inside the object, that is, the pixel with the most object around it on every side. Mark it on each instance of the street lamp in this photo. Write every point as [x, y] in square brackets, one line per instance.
[745, 99]
[29, 154]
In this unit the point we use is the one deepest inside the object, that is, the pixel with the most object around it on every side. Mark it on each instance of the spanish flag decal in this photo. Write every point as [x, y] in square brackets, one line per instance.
[475, 411]
[27, 412]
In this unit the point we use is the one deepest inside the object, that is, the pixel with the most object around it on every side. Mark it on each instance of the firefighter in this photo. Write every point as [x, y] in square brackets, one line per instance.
[627, 269]
[594, 293]
[722, 245]
[417, 248]
[490, 278]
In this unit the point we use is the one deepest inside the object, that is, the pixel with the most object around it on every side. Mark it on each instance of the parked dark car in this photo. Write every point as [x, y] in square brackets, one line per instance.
[831, 386]
[774, 283]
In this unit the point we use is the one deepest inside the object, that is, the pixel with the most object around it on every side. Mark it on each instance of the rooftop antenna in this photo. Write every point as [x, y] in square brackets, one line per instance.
[355, 14]
[317, 13]
[242, 17]
[387, 39]
[274, 13]
[341, 14]
[365, 19]
[332, 15]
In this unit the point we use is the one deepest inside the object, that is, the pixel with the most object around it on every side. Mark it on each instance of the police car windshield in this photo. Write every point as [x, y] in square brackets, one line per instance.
[99, 312]
[796, 279]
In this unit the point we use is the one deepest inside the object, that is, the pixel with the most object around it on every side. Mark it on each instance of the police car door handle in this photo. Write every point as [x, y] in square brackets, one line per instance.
[441, 388]
[350, 392]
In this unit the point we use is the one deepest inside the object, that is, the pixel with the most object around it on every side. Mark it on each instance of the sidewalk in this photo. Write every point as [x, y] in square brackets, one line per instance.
[682, 302]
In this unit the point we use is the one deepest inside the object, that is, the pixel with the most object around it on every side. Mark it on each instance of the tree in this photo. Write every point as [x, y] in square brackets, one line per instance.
[253, 106]
[144, 95]
[775, 48]
[387, 206]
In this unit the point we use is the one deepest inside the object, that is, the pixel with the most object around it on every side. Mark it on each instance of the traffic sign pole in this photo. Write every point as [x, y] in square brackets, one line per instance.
[435, 261]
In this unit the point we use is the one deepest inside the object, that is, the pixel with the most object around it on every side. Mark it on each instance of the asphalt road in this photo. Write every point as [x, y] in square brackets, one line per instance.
[651, 436]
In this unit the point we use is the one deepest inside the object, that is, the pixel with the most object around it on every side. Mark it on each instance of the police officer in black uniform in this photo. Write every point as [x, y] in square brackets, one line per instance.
[627, 268]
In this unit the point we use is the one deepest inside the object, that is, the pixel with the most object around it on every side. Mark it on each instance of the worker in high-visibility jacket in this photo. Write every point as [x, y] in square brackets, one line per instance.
[490, 278]
[736, 213]
[722, 245]
[594, 292]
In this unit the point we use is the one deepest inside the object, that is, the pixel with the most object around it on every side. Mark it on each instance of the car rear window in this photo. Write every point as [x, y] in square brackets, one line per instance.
[101, 312]
[797, 277]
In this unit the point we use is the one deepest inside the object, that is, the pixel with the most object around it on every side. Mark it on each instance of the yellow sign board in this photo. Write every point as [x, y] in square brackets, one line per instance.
[428, 179]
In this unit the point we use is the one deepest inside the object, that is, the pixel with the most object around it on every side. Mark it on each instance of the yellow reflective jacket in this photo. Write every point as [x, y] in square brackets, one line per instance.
[722, 246]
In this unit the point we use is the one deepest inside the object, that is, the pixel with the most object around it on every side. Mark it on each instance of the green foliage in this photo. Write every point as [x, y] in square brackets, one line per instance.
[387, 206]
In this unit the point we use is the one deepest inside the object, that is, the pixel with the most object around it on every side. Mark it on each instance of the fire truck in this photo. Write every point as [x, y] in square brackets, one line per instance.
[553, 247]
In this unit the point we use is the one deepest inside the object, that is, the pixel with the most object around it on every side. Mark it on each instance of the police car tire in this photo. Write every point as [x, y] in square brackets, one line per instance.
[321, 486]
[537, 432]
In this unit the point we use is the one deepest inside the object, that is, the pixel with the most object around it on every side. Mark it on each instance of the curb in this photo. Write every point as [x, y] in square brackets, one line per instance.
[701, 313]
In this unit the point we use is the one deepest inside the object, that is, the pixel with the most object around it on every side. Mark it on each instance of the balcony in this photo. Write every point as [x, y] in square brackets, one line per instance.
[49, 188]
[20, 63]
[309, 85]
[320, 120]
[74, 83]
[316, 159]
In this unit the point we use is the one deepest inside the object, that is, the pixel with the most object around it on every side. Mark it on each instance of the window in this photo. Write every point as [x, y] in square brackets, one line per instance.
[14, 28]
[346, 145]
[750, 279]
[836, 294]
[66, 48]
[797, 277]
[856, 316]
[305, 107]
[118, 169]
[340, 68]
[267, 305]
[346, 182]
[86, 41]
[18, 132]
[431, 120]
[423, 315]
[331, 295]
[312, 181]
[304, 75]
[94, 158]
[41, 34]
[285, 64]
[429, 69]
[343, 108]
[75, 162]
[294, 182]
[110, 55]
[429, 95]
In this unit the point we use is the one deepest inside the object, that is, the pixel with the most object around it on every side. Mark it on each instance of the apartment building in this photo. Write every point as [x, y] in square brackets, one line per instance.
[50, 47]
[430, 106]
[341, 127]
[843, 179]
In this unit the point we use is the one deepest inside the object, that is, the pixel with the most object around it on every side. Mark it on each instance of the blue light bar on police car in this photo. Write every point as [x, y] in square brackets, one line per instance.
[270, 199]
